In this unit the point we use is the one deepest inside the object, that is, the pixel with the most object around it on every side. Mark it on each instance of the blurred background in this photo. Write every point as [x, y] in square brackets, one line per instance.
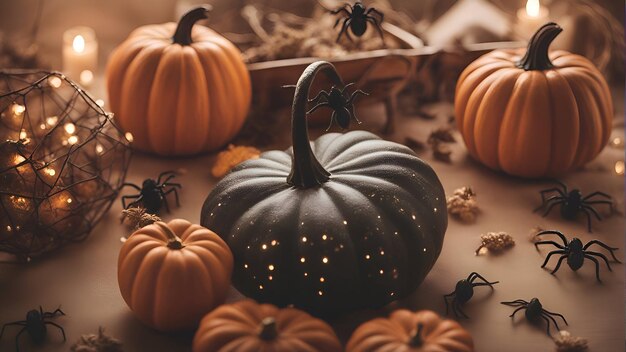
[33, 29]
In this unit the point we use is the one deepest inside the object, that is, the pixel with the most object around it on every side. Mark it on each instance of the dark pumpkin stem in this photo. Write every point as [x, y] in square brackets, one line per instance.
[416, 339]
[306, 170]
[268, 329]
[182, 35]
[173, 241]
[536, 57]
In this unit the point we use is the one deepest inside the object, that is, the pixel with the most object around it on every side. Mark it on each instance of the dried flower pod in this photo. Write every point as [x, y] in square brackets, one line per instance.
[138, 217]
[532, 234]
[97, 343]
[229, 158]
[495, 242]
[565, 342]
[463, 205]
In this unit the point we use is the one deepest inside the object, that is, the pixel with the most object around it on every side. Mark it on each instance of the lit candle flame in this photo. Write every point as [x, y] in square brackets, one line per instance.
[532, 8]
[79, 43]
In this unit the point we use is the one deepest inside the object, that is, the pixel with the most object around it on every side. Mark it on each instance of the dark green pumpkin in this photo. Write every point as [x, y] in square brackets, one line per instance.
[354, 221]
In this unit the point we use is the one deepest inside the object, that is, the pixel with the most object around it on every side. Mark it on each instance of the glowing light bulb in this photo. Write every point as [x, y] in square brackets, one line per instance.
[129, 136]
[78, 44]
[55, 81]
[532, 8]
[70, 128]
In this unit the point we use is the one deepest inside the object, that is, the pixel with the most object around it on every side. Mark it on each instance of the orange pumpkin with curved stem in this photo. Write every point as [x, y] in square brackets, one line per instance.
[247, 326]
[179, 89]
[405, 331]
[171, 275]
[536, 115]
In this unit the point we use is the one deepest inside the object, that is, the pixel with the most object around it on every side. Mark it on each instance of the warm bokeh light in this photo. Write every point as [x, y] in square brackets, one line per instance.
[532, 8]
[78, 44]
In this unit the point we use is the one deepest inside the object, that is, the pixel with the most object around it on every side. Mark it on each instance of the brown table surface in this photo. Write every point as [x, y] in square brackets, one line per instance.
[82, 278]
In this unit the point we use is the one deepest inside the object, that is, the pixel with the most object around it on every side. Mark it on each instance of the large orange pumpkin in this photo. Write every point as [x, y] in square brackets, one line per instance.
[535, 115]
[179, 89]
[247, 326]
[405, 331]
[171, 275]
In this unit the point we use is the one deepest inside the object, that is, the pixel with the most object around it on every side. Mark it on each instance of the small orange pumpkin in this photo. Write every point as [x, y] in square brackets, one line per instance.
[405, 331]
[179, 89]
[171, 275]
[247, 326]
[537, 115]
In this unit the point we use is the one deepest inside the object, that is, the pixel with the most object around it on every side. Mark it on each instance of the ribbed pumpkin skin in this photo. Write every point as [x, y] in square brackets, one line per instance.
[235, 327]
[382, 209]
[533, 123]
[395, 332]
[172, 289]
[178, 99]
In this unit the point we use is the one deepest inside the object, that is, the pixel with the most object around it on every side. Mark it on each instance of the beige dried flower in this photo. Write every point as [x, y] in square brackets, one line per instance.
[97, 343]
[138, 217]
[532, 234]
[462, 204]
[565, 342]
[229, 158]
[495, 242]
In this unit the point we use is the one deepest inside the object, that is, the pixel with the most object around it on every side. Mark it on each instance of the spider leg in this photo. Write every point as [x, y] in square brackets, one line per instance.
[342, 9]
[547, 202]
[550, 206]
[603, 245]
[558, 264]
[550, 255]
[556, 314]
[477, 275]
[515, 303]
[590, 208]
[167, 179]
[553, 232]
[20, 323]
[606, 260]
[548, 242]
[17, 339]
[372, 9]
[597, 194]
[445, 299]
[547, 191]
[333, 117]
[545, 317]
[586, 210]
[319, 95]
[131, 185]
[320, 105]
[517, 310]
[608, 202]
[175, 196]
[377, 26]
[345, 88]
[135, 202]
[355, 94]
[597, 266]
[490, 284]
[168, 173]
[563, 186]
[137, 198]
[458, 309]
[52, 314]
[346, 24]
[58, 326]
[172, 184]
[350, 111]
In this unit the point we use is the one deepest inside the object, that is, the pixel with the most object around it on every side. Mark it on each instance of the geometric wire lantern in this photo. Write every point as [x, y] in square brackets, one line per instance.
[62, 162]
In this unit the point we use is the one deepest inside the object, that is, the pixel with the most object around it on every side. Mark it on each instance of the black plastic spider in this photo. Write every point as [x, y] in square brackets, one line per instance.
[340, 102]
[575, 252]
[534, 310]
[356, 18]
[573, 202]
[152, 194]
[464, 291]
[35, 326]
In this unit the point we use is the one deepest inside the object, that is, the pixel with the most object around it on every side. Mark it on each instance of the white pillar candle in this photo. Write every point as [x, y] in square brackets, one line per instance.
[80, 54]
[530, 18]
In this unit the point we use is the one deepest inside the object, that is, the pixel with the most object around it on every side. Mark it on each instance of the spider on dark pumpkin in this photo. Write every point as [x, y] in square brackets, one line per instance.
[534, 311]
[575, 252]
[464, 291]
[573, 202]
[152, 193]
[35, 325]
[340, 102]
[356, 18]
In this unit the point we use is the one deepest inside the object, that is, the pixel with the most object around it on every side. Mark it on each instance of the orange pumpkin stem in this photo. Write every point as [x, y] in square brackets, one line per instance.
[268, 329]
[416, 340]
[536, 57]
[306, 170]
[174, 242]
[182, 35]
